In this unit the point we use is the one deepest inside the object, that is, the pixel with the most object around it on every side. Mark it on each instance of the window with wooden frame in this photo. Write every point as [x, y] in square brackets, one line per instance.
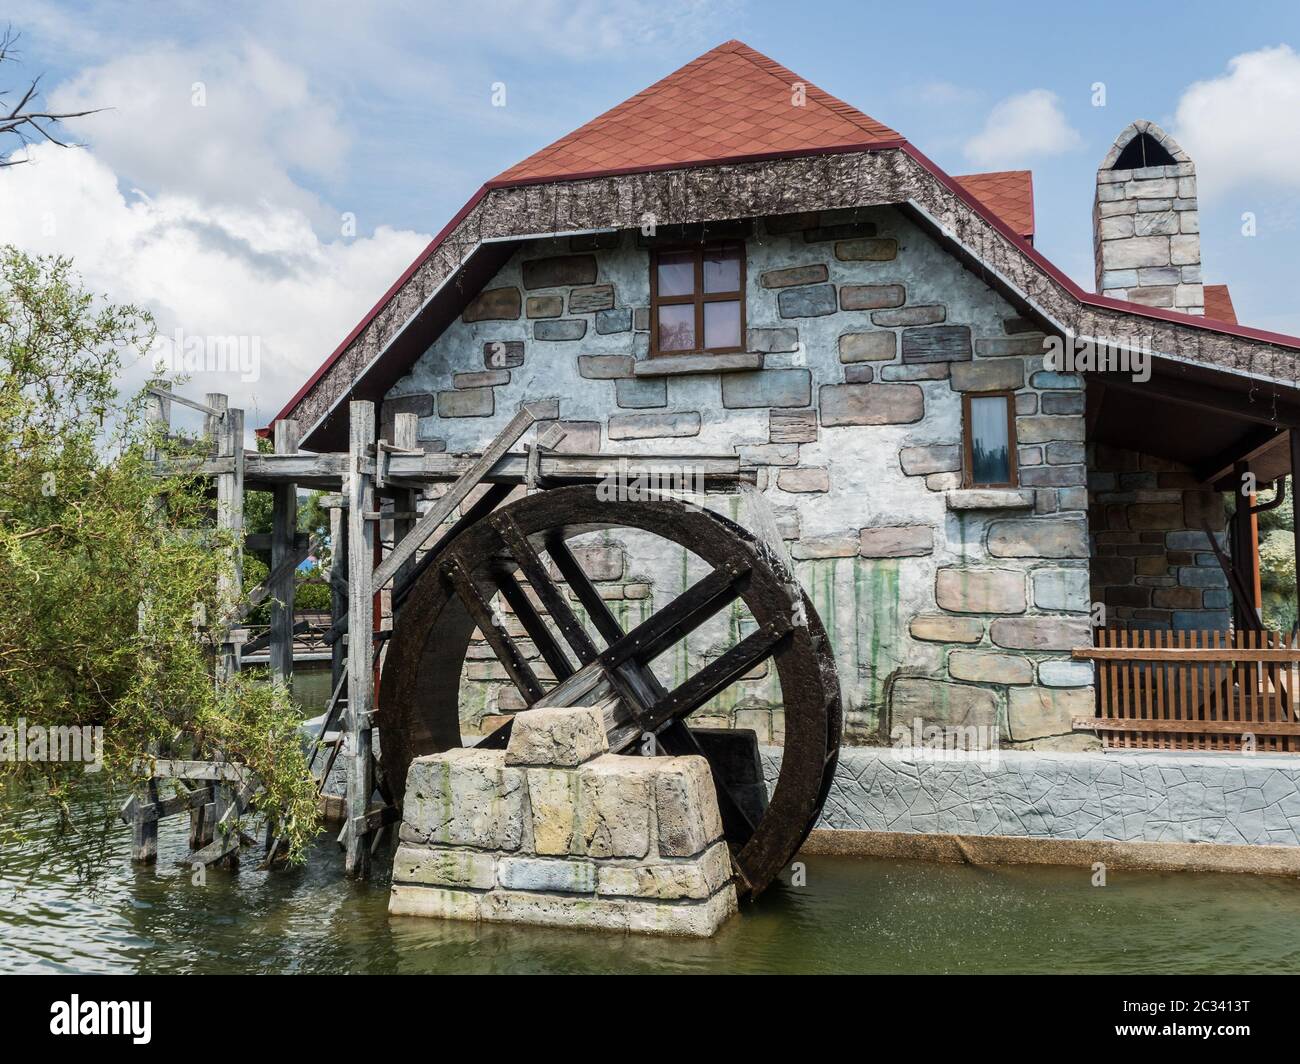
[697, 299]
[989, 440]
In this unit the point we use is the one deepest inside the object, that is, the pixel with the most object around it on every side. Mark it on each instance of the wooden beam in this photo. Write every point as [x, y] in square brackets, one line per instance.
[1194, 727]
[1257, 442]
[1269, 405]
[361, 545]
[163, 390]
[284, 528]
[226, 427]
[441, 510]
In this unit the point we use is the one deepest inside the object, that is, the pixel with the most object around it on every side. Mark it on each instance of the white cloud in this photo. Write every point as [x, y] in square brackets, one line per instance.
[231, 126]
[1244, 126]
[254, 271]
[1020, 128]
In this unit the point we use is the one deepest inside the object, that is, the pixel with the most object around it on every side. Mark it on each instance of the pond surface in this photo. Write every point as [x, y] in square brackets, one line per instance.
[853, 915]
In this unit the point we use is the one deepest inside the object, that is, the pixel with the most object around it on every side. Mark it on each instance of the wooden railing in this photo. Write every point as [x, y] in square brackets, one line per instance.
[1195, 690]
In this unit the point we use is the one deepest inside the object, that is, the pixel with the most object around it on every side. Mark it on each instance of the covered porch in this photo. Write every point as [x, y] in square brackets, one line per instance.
[1180, 468]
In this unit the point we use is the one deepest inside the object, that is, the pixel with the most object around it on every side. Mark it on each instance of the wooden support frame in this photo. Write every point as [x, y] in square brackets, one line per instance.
[361, 640]
[280, 584]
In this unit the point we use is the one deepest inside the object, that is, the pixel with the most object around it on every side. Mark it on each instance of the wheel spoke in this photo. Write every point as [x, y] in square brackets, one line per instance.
[533, 624]
[689, 610]
[580, 584]
[719, 674]
[553, 600]
[514, 662]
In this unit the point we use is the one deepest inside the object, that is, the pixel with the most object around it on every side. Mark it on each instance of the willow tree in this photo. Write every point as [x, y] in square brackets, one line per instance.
[106, 574]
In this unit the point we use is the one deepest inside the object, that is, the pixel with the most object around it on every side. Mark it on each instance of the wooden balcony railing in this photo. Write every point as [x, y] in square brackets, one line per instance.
[1195, 690]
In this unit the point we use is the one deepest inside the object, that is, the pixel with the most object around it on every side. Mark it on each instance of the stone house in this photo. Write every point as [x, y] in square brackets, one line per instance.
[735, 262]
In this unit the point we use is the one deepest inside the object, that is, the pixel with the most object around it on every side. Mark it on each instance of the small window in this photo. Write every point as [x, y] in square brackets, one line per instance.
[1143, 151]
[697, 299]
[989, 440]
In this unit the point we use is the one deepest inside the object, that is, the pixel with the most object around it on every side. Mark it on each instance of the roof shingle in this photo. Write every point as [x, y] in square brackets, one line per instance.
[1009, 194]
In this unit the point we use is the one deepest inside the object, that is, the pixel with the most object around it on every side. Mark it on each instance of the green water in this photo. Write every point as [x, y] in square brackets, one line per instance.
[853, 915]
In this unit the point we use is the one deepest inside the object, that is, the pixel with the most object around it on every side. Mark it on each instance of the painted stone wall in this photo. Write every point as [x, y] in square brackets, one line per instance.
[944, 606]
[1153, 567]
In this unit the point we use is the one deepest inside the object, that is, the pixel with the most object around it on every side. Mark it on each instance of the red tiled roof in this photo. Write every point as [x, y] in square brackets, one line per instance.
[732, 102]
[1007, 193]
[1218, 304]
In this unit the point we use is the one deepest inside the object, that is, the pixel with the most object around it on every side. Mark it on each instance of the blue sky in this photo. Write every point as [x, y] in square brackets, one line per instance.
[227, 217]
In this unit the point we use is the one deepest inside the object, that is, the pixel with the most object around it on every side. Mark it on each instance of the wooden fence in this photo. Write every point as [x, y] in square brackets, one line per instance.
[1195, 690]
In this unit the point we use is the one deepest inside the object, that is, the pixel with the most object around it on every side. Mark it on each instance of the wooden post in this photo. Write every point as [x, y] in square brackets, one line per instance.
[1295, 507]
[1245, 551]
[338, 587]
[284, 527]
[228, 431]
[144, 831]
[361, 636]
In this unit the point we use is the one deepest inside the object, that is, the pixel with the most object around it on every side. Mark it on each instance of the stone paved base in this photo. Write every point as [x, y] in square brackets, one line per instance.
[1226, 799]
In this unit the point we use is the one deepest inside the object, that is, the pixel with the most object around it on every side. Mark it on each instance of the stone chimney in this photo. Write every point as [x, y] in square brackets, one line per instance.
[1145, 225]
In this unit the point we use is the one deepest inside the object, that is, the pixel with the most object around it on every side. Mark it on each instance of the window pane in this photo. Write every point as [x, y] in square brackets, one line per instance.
[677, 327]
[722, 269]
[721, 325]
[677, 273]
[990, 448]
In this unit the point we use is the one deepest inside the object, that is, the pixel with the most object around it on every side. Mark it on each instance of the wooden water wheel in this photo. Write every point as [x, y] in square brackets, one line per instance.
[508, 549]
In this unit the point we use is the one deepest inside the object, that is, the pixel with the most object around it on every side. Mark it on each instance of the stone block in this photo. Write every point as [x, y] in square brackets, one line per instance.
[968, 590]
[792, 426]
[654, 426]
[804, 479]
[559, 271]
[871, 296]
[466, 402]
[465, 797]
[1041, 633]
[918, 314]
[641, 393]
[859, 374]
[552, 910]
[440, 867]
[1038, 538]
[544, 306]
[942, 628]
[902, 541]
[605, 367]
[810, 302]
[1136, 252]
[942, 343]
[614, 816]
[794, 275]
[769, 341]
[495, 304]
[560, 329]
[668, 880]
[503, 354]
[933, 371]
[685, 805]
[778, 454]
[407, 900]
[488, 378]
[990, 668]
[825, 547]
[993, 375]
[942, 703]
[590, 299]
[871, 404]
[560, 737]
[1061, 589]
[867, 249]
[767, 387]
[614, 321]
[936, 458]
[868, 347]
[1010, 347]
[1065, 673]
[546, 874]
[1046, 429]
[687, 920]
[553, 801]
[1037, 712]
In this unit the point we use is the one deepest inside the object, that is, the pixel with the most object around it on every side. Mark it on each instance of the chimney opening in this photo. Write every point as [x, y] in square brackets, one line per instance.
[1143, 151]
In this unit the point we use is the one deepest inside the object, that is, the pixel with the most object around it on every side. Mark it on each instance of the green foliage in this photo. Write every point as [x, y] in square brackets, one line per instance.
[104, 575]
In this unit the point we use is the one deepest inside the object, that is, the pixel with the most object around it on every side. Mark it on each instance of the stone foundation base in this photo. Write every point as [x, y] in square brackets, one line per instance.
[557, 832]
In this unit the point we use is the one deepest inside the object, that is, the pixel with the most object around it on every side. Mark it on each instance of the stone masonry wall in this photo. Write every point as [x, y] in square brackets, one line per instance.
[1152, 565]
[943, 605]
